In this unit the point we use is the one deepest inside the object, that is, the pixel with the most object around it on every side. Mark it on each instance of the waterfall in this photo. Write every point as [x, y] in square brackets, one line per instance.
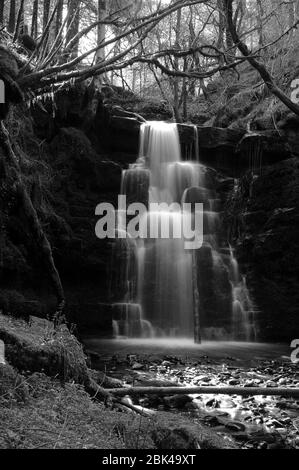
[165, 276]
[243, 308]
[164, 289]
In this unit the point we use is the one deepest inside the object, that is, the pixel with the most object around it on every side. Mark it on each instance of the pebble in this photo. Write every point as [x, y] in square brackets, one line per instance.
[137, 366]
[233, 382]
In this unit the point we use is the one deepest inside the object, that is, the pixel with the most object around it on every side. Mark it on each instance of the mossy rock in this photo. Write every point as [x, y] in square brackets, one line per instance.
[174, 432]
[37, 348]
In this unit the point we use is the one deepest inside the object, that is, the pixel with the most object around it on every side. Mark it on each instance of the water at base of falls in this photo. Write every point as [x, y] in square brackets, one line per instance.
[161, 286]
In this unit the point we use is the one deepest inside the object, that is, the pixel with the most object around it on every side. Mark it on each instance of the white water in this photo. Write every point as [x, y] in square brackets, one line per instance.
[244, 310]
[164, 282]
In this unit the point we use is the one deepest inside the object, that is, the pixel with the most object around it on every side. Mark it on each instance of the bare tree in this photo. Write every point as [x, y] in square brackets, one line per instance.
[59, 17]
[259, 66]
[102, 13]
[73, 21]
[34, 19]
[20, 21]
[2, 5]
[176, 82]
[46, 12]
[12, 17]
[133, 44]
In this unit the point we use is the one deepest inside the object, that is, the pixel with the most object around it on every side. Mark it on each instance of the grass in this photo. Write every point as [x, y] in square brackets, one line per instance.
[51, 416]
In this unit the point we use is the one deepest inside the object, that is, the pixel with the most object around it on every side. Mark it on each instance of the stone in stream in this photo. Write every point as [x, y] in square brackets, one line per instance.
[235, 426]
[213, 403]
[233, 382]
[213, 421]
[167, 364]
[137, 366]
[177, 401]
[202, 379]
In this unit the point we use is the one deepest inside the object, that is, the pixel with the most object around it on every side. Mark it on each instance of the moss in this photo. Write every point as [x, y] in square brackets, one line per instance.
[37, 348]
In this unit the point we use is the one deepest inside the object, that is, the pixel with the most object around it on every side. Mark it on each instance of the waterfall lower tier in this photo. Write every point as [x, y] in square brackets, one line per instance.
[160, 288]
[166, 289]
[244, 310]
[128, 321]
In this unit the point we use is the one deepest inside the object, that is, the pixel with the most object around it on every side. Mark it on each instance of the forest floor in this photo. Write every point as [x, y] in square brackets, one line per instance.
[248, 422]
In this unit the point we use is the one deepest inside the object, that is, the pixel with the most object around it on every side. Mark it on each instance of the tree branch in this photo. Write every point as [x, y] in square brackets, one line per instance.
[265, 75]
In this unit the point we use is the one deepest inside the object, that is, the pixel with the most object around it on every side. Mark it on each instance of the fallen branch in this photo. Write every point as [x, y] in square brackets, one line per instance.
[243, 391]
[136, 409]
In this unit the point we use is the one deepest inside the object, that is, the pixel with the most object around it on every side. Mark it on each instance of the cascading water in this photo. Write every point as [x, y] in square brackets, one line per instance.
[243, 310]
[166, 287]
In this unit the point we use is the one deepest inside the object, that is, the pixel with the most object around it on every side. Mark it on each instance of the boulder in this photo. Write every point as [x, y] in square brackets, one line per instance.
[173, 432]
[38, 349]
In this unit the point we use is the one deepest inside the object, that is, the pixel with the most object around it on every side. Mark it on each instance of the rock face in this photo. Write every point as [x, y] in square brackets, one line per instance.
[265, 214]
[228, 150]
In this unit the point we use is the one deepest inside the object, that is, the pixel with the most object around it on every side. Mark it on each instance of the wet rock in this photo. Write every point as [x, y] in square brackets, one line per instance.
[177, 401]
[202, 379]
[228, 403]
[270, 384]
[233, 382]
[235, 426]
[213, 421]
[137, 366]
[176, 433]
[213, 403]
[167, 364]
[192, 406]
[261, 436]
[268, 245]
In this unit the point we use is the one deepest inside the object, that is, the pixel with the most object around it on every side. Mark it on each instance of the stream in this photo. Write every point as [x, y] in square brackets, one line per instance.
[250, 422]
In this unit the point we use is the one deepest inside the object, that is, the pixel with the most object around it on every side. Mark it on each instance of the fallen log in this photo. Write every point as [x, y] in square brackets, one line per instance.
[243, 391]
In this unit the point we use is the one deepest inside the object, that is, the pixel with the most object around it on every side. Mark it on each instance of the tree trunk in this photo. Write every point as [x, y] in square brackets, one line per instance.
[59, 17]
[34, 19]
[73, 22]
[291, 15]
[102, 12]
[2, 4]
[100, 55]
[231, 52]
[46, 13]
[220, 40]
[176, 80]
[20, 21]
[12, 17]
[260, 14]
